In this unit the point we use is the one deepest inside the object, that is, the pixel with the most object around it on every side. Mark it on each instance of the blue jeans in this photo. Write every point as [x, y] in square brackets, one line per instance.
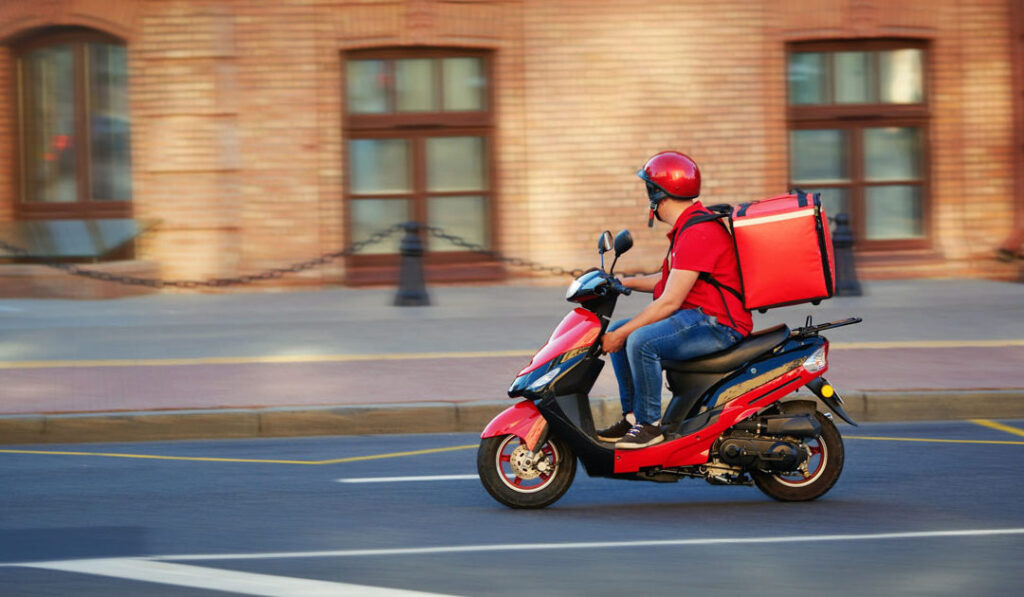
[686, 334]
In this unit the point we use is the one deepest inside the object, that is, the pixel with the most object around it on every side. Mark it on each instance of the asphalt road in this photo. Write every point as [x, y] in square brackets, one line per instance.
[921, 509]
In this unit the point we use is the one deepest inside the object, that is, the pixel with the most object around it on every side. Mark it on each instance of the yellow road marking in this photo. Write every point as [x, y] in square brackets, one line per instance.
[454, 448]
[274, 359]
[244, 460]
[351, 358]
[998, 426]
[929, 344]
[940, 441]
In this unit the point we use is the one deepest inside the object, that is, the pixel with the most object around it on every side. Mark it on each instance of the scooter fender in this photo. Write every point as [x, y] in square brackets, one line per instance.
[522, 420]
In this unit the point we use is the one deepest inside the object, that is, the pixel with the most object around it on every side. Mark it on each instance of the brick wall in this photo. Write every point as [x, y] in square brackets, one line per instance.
[237, 130]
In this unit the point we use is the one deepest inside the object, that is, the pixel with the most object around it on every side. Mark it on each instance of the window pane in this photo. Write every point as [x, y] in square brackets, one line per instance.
[893, 212]
[464, 217]
[892, 153]
[373, 215]
[378, 166]
[833, 201]
[48, 121]
[807, 78]
[367, 87]
[854, 78]
[456, 164]
[464, 84]
[901, 79]
[109, 158]
[414, 85]
[818, 156]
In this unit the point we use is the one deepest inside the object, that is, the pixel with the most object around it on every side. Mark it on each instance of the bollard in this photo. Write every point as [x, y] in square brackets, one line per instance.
[846, 271]
[412, 291]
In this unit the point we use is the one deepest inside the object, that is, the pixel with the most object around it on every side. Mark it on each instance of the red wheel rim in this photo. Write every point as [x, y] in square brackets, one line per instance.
[507, 473]
[816, 462]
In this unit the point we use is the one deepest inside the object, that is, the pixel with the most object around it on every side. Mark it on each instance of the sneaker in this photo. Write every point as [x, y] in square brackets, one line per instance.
[641, 436]
[615, 432]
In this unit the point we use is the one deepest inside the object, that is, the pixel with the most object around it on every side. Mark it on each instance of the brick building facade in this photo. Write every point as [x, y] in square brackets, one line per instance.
[242, 123]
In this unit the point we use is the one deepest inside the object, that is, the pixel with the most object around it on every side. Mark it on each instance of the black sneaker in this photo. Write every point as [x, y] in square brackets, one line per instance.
[641, 436]
[615, 432]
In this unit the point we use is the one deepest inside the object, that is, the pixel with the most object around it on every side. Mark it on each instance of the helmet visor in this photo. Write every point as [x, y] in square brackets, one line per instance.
[655, 194]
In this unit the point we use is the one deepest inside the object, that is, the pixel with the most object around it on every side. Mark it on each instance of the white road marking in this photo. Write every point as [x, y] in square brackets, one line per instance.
[247, 583]
[401, 551]
[407, 479]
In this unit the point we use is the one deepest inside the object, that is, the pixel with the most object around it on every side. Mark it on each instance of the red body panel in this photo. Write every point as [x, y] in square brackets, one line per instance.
[522, 420]
[578, 329]
[694, 449]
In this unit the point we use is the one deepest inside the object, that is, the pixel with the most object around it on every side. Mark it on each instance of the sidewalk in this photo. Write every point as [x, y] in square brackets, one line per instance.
[346, 361]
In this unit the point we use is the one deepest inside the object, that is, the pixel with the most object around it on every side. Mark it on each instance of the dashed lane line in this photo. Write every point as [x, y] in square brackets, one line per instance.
[348, 358]
[243, 460]
[998, 426]
[529, 547]
[408, 479]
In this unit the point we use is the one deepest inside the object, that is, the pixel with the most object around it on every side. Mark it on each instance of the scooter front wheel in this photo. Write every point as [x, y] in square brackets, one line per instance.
[521, 478]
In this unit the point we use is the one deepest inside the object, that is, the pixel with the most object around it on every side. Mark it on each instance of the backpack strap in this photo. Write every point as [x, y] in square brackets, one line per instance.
[719, 212]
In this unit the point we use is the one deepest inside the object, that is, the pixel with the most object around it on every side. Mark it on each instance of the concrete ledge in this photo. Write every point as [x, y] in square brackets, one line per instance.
[439, 417]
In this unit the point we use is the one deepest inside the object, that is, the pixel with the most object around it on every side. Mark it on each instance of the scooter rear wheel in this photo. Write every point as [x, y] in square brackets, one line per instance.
[822, 468]
[509, 473]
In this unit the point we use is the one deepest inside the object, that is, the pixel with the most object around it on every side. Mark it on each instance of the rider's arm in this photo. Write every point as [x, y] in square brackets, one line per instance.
[642, 283]
[679, 283]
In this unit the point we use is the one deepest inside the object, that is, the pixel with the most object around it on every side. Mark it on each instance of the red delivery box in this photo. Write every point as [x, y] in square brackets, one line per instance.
[785, 250]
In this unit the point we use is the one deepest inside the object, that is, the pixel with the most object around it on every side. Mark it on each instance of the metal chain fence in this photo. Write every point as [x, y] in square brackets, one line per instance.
[269, 274]
[274, 273]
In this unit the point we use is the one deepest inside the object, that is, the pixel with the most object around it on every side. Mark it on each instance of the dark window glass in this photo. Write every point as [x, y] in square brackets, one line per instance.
[858, 122]
[74, 126]
[419, 145]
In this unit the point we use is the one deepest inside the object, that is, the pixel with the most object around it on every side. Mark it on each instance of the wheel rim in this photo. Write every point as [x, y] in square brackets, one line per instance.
[816, 464]
[520, 477]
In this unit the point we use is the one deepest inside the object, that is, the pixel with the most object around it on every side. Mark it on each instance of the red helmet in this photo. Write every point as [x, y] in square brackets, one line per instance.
[673, 174]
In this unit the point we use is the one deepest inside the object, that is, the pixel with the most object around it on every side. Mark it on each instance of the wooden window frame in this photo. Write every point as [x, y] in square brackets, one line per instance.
[417, 127]
[84, 206]
[853, 119]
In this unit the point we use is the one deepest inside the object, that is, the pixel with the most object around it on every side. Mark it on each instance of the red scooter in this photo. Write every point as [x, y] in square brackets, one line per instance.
[726, 422]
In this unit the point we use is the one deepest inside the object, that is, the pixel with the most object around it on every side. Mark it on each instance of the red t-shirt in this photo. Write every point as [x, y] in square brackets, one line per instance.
[707, 247]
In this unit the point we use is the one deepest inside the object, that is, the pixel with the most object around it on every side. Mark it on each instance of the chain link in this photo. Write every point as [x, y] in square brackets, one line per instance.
[294, 268]
[514, 261]
[269, 274]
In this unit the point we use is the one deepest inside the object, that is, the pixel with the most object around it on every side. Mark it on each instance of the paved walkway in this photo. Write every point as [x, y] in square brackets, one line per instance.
[952, 342]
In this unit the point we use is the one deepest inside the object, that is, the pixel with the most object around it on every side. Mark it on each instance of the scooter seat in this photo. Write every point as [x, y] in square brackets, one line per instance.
[744, 351]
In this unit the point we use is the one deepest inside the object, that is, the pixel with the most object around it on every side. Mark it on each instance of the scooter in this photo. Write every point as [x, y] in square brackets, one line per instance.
[726, 422]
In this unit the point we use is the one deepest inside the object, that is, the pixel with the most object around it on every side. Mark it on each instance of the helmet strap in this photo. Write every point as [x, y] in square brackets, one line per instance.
[650, 220]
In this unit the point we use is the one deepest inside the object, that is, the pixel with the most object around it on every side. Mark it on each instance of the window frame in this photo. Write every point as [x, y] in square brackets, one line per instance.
[854, 119]
[417, 127]
[85, 206]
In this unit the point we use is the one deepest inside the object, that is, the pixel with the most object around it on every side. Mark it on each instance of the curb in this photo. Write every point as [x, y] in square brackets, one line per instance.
[435, 417]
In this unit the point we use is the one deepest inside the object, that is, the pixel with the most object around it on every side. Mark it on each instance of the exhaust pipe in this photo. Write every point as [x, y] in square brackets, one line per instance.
[792, 425]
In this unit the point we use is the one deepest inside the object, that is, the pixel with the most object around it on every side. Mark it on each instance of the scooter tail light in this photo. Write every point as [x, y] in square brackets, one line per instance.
[818, 361]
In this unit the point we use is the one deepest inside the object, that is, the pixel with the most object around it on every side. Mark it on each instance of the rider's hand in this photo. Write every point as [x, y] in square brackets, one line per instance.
[613, 341]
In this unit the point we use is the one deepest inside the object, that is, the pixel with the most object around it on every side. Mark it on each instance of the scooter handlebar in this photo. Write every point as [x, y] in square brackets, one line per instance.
[618, 287]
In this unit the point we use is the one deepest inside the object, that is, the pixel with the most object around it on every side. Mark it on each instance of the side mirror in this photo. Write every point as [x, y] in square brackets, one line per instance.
[623, 242]
[604, 244]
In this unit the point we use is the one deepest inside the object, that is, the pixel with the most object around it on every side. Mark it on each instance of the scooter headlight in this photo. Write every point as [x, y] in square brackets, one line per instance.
[573, 288]
[545, 379]
[817, 361]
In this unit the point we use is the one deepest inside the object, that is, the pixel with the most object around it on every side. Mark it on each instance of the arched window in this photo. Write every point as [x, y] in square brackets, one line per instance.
[73, 126]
